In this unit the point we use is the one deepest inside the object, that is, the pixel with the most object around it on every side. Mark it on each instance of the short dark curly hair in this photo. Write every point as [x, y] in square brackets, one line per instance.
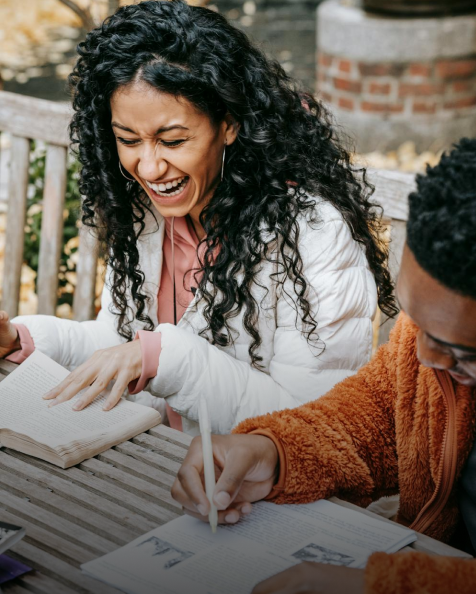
[286, 153]
[441, 229]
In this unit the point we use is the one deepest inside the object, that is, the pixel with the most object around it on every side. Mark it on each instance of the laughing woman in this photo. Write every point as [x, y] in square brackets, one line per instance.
[242, 246]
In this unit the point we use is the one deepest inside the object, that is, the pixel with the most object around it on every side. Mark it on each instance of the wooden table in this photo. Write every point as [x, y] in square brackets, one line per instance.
[72, 516]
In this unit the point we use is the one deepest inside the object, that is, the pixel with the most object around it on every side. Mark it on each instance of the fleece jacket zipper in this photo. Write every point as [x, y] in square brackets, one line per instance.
[448, 458]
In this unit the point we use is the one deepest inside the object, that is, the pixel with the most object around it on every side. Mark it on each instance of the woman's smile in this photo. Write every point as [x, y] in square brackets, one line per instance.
[170, 192]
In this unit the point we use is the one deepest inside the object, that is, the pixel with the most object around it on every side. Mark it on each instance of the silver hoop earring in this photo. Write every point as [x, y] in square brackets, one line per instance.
[223, 163]
[128, 178]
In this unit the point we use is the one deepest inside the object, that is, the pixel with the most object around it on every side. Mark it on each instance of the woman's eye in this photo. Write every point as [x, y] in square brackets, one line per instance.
[172, 142]
[127, 142]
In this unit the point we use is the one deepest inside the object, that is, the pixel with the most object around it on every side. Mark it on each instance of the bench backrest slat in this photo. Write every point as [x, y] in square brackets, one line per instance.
[391, 192]
[83, 303]
[28, 118]
[51, 228]
[17, 194]
[35, 118]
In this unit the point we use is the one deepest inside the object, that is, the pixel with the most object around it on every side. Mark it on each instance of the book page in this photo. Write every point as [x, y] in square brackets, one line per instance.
[282, 528]
[23, 410]
[184, 556]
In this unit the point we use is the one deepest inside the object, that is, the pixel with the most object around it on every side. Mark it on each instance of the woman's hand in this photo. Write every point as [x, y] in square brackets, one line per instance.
[247, 469]
[9, 339]
[121, 363]
[314, 578]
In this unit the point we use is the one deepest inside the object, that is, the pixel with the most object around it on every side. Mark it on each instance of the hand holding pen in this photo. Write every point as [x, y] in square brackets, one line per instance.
[246, 467]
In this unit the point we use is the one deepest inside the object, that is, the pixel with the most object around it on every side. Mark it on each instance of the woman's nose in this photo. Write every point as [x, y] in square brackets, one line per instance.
[152, 166]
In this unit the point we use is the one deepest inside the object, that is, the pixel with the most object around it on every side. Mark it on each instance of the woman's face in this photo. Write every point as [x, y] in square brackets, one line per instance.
[174, 151]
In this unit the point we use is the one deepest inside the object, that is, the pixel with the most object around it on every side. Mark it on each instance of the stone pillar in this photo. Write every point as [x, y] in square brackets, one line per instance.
[388, 80]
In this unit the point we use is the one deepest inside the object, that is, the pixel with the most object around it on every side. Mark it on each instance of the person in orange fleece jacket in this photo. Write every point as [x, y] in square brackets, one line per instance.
[405, 423]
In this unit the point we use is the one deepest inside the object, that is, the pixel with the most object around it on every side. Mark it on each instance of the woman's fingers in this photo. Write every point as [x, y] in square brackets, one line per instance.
[230, 516]
[247, 466]
[188, 488]
[117, 391]
[74, 383]
[98, 386]
[239, 462]
[121, 363]
[78, 379]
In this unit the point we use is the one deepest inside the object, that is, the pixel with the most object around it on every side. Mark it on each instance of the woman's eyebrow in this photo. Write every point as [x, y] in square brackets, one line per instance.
[117, 125]
[159, 131]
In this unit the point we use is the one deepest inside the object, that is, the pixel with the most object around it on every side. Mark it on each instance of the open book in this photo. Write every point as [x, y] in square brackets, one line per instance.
[184, 556]
[59, 434]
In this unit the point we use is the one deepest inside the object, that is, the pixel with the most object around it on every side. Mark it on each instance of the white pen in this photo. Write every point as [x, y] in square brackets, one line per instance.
[208, 462]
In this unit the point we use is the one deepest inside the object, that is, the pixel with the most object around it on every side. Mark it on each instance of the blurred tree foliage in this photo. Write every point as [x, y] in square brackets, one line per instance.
[71, 214]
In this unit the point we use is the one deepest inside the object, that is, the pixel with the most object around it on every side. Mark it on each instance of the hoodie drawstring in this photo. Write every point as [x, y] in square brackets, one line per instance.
[173, 269]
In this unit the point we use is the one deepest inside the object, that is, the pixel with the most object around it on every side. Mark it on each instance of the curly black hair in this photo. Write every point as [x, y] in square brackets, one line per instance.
[284, 136]
[441, 228]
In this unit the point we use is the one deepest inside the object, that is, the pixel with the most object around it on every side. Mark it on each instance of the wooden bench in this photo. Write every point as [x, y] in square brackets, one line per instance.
[27, 119]
[391, 192]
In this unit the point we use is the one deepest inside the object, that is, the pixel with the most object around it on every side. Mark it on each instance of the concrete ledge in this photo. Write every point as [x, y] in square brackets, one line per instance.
[345, 29]
[370, 134]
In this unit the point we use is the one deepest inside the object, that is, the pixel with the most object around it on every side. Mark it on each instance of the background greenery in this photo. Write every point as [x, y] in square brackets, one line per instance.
[71, 214]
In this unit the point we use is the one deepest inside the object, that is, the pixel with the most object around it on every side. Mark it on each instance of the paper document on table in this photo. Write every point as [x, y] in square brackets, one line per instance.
[184, 556]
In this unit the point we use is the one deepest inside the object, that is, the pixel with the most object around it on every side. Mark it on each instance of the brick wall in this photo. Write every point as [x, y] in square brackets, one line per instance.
[388, 80]
[410, 88]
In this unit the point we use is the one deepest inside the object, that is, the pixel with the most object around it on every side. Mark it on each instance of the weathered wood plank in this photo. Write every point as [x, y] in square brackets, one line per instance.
[29, 117]
[153, 459]
[85, 291]
[7, 367]
[59, 570]
[13, 588]
[133, 484]
[391, 191]
[114, 493]
[17, 195]
[59, 546]
[64, 487]
[136, 468]
[20, 505]
[51, 228]
[38, 583]
[167, 434]
[165, 448]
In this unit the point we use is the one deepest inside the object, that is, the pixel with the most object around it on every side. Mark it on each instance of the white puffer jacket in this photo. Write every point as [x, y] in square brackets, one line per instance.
[343, 299]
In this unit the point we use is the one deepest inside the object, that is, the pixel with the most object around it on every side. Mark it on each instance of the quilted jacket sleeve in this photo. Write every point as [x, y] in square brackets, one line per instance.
[71, 343]
[342, 298]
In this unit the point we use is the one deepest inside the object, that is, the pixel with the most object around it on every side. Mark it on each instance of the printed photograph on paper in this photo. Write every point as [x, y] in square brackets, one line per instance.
[318, 554]
[169, 554]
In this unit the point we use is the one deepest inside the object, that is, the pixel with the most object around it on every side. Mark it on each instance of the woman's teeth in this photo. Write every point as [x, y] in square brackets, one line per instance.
[165, 189]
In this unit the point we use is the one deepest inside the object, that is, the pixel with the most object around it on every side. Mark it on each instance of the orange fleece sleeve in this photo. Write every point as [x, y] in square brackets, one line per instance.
[419, 573]
[344, 443]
